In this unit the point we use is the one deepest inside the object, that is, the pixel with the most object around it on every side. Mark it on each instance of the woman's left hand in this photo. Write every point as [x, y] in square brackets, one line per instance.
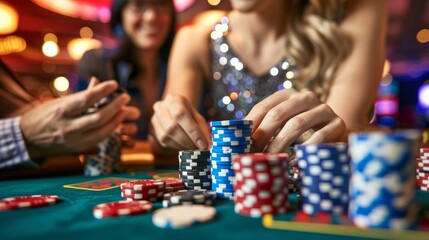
[288, 116]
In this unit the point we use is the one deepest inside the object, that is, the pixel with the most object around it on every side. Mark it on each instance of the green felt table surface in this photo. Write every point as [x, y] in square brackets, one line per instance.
[72, 217]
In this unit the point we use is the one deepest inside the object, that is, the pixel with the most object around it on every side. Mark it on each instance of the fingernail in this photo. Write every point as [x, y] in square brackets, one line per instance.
[201, 144]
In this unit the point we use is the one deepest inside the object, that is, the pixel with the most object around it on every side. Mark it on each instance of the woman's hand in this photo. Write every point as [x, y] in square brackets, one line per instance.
[288, 116]
[178, 125]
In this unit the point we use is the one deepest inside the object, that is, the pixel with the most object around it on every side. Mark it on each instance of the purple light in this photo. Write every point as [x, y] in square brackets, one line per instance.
[424, 96]
[386, 107]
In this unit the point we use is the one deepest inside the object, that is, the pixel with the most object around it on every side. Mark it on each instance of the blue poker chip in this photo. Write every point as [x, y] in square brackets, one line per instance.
[232, 128]
[221, 166]
[231, 149]
[221, 189]
[244, 144]
[221, 159]
[227, 123]
[216, 137]
[225, 180]
[229, 138]
[223, 172]
[229, 196]
[235, 132]
[221, 155]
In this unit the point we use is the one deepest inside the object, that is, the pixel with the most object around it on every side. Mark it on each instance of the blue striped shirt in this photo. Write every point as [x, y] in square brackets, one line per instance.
[12, 146]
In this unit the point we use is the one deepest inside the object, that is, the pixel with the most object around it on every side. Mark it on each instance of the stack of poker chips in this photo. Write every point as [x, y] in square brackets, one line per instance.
[229, 138]
[382, 186]
[188, 197]
[325, 173]
[107, 160]
[261, 184]
[194, 169]
[422, 170]
[145, 189]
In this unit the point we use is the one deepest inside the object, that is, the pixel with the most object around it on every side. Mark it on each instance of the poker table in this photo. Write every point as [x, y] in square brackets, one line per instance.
[72, 217]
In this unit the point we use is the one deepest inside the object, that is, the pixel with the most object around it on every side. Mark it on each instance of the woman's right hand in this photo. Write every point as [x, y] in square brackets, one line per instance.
[177, 124]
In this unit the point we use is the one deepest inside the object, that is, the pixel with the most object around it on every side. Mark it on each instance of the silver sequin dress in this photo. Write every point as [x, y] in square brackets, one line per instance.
[234, 90]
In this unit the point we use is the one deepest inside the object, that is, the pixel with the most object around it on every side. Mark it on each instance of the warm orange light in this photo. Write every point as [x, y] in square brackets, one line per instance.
[12, 44]
[386, 68]
[50, 37]
[9, 19]
[61, 84]
[233, 96]
[423, 36]
[50, 49]
[86, 32]
[210, 17]
[214, 2]
[77, 47]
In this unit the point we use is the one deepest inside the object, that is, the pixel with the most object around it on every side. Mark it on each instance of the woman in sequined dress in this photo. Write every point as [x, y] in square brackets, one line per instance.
[303, 71]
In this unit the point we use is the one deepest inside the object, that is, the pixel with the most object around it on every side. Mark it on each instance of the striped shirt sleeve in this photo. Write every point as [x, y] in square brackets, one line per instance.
[12, 146]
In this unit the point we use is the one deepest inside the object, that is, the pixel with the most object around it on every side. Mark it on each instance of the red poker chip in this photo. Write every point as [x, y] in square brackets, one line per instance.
[423, 188]
[422, 169]
[422, 182]
[152, 191]
[262, 156]
[270, 183]
[253, 212]
[263, 202]
[422, 166]
[423, 179]
[137, 196]
[422, 176]
[422, 160]
[121, 208]
[143, 184]
[173, 182]
[27, 201]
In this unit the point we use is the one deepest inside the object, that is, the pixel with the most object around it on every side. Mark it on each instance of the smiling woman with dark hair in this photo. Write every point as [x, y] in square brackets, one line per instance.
[146, 29]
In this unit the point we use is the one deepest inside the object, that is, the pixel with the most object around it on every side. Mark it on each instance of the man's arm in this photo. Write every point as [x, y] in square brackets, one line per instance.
[12, 146]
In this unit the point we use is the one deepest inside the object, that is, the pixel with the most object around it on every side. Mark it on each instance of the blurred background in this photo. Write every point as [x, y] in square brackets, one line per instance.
[42, 40]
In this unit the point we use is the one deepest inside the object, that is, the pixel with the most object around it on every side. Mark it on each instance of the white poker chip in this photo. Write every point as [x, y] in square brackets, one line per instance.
[182, 216]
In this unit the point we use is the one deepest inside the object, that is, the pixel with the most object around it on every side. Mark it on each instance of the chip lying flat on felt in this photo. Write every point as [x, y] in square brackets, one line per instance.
[121, 208]
[182, 216]
[27, 202]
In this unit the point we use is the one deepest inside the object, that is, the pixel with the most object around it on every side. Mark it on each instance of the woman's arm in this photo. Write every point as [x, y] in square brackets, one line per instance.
[355, 87]
[176, 122]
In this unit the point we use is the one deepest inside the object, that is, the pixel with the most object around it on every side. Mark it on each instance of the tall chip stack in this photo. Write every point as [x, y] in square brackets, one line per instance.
[422, 170]
[261, 184]
[194, 169]
[382, 186]
[107, 159]
[229, 138]
[325, 172]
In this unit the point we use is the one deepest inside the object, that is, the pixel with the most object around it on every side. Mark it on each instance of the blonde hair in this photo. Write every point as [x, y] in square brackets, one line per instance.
[316, 44]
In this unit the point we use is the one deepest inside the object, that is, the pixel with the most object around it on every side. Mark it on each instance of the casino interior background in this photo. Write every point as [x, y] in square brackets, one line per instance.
[42, 41]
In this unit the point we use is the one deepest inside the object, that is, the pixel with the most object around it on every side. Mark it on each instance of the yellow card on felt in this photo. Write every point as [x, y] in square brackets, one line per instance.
[99, 184]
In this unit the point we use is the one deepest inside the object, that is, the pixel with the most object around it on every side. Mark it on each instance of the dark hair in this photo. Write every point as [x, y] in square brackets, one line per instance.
[127, 47]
